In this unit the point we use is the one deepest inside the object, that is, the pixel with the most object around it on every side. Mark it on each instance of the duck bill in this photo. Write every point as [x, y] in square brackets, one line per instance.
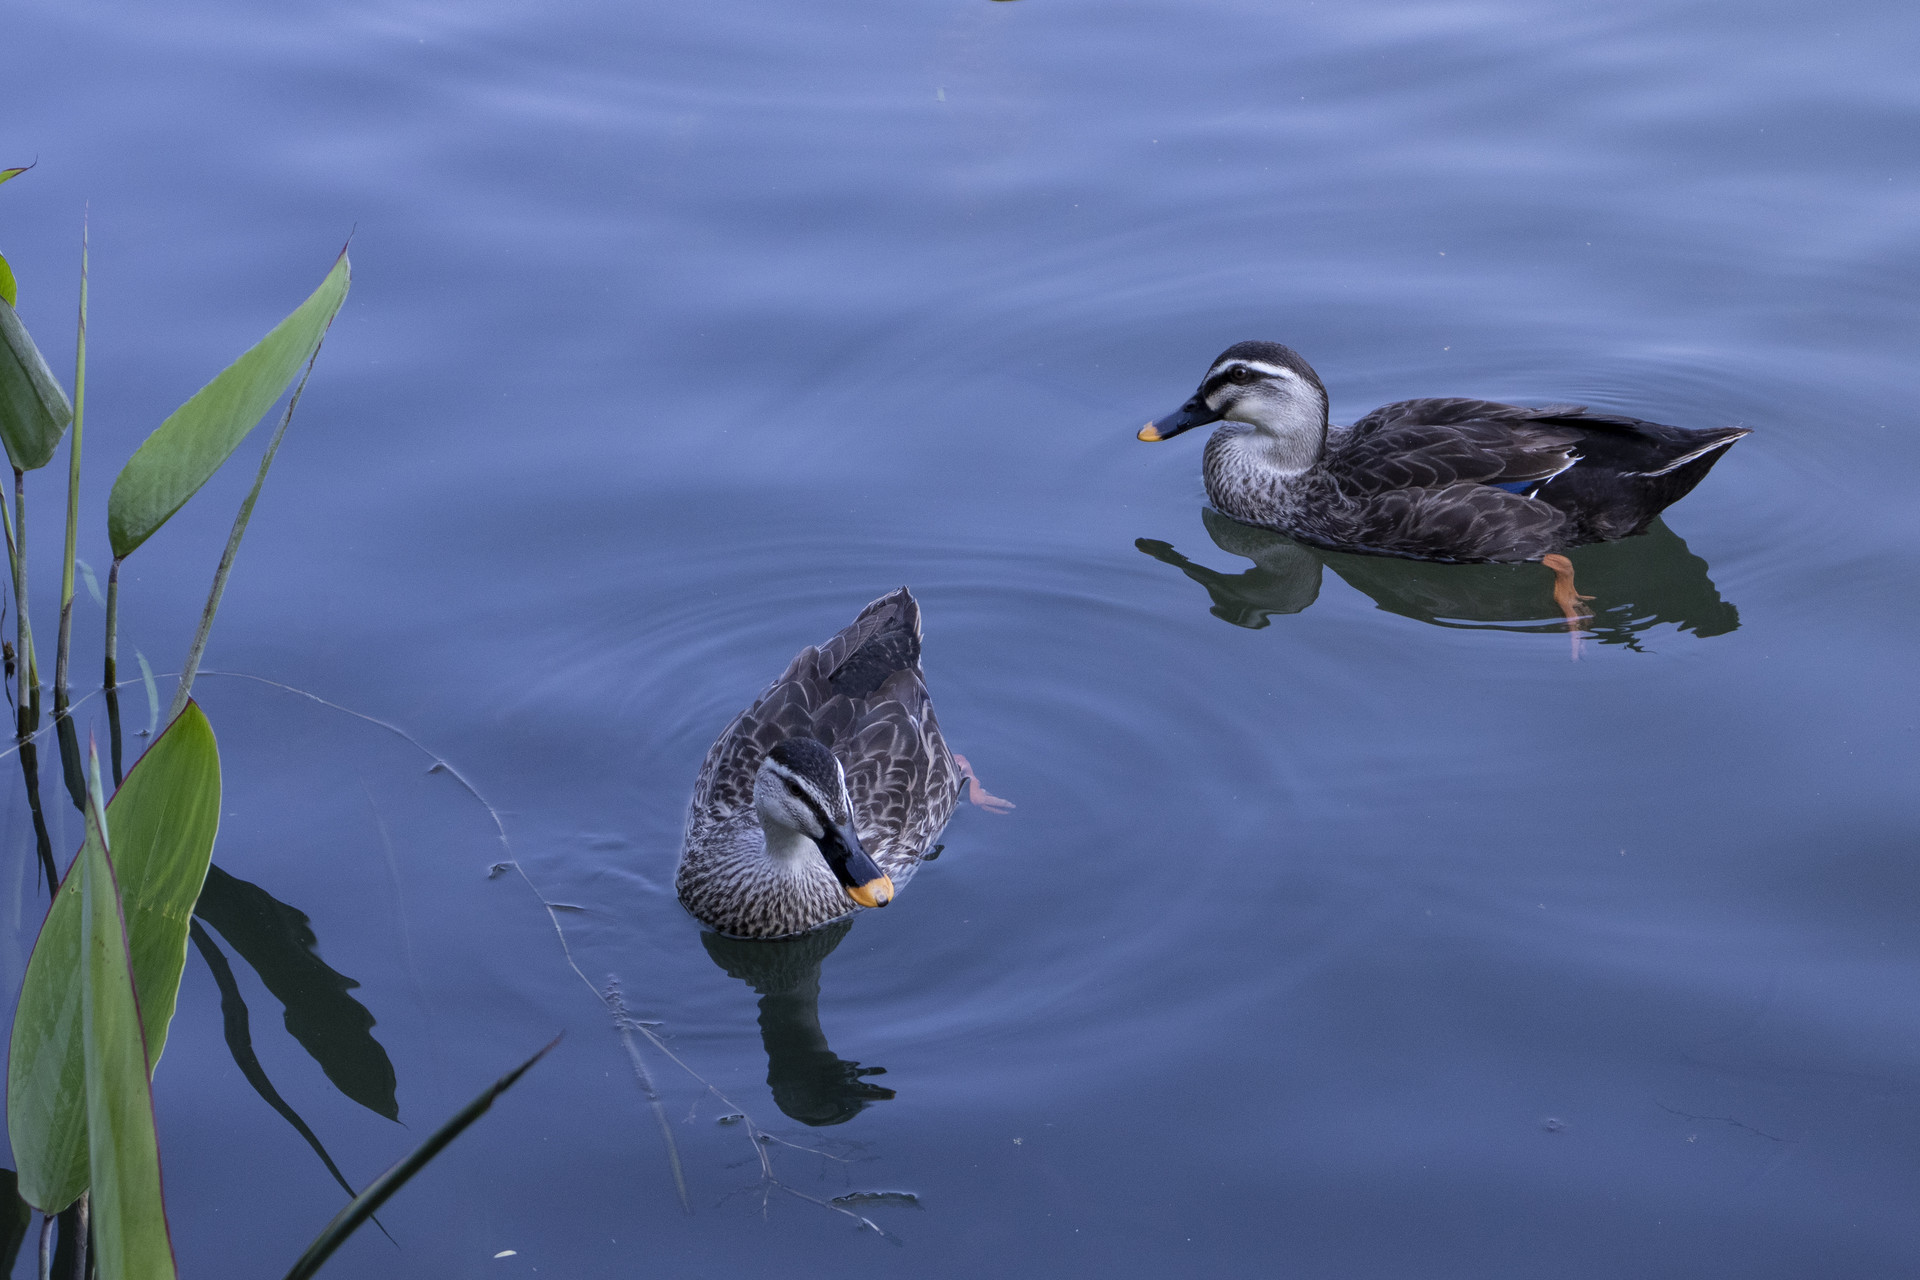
[1194, 413]
[877, 892]
[858, 873]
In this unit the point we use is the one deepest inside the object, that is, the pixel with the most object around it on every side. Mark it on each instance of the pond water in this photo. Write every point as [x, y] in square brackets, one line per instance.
[1346, 926]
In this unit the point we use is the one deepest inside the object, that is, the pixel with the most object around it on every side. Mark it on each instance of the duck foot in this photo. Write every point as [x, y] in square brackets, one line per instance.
[977, 794]
[1567, 598]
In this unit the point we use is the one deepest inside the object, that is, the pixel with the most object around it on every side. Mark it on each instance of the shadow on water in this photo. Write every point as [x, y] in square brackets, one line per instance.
[1635, 584]
[16, 1216]
[278, 942]
[809, 1082]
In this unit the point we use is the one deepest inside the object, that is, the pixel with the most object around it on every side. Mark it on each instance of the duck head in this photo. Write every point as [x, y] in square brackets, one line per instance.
[1268, 387]
[800, 794]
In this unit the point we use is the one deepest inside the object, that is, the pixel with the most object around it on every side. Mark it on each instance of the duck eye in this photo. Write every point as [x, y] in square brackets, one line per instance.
[1240, 373]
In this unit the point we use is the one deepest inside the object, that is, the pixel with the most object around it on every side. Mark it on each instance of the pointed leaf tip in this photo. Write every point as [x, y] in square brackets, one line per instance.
[197, 438]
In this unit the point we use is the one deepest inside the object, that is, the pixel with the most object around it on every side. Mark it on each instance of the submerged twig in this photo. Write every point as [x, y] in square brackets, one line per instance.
[627, 1026]
[759, 1137]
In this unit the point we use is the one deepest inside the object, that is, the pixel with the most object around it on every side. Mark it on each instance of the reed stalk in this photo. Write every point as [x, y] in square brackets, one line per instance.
[26, 677]
[191, 667]
[111, 684]
[65, 646]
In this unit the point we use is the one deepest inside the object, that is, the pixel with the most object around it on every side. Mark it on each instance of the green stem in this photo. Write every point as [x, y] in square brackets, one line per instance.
[65, 646]
[191, 667]
[112, 685]
[26, 678]
[113, 627]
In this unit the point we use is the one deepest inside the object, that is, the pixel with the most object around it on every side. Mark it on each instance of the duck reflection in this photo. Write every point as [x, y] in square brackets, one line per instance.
[1635, 584]
[809, 1082]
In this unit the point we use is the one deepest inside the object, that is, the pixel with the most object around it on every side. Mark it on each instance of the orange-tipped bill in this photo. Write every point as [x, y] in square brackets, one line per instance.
[1194, 413]
[857, 872]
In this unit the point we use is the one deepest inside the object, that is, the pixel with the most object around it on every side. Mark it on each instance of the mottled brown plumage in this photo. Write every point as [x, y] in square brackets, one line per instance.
[862, 695]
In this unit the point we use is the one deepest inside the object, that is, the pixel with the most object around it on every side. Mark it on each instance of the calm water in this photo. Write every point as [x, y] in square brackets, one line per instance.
[1346, 926]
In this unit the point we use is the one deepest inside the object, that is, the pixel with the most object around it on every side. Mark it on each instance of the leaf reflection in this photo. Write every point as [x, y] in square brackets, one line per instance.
[809, 1082]
[16, 1216]
[235, 1025]
[331, 1025]
[1635, 584]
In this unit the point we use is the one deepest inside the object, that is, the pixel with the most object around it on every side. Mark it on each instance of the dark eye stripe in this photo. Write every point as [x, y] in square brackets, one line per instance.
[808, 801]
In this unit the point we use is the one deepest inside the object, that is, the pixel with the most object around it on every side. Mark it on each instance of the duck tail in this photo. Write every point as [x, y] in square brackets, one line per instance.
[885, 638]
[1676, 479]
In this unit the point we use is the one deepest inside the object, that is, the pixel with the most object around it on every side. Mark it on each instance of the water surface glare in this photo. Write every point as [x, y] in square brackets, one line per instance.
[1346, 926]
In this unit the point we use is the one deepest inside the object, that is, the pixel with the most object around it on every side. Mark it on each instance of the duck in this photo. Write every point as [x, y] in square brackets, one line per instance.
[1446, 479]
[824, 797]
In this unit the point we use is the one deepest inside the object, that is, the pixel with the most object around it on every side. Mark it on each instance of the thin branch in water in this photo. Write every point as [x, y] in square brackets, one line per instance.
[615, 1006]
[1738, 1124]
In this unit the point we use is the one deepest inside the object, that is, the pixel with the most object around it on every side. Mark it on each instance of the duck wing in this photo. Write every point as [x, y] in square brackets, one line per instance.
[900, 775]
[862, 695]
[1607, 475]
[1431, 444]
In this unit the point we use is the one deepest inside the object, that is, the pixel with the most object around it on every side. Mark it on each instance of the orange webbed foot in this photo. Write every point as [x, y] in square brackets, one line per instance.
[977, 794]
[1569, 600]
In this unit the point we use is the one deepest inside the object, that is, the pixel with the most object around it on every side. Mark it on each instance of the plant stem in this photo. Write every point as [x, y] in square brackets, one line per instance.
[83, 1237]
[26, 678]
[43, 841]
[73, 492]
[29, 758]
[112, 679]
[191, 667]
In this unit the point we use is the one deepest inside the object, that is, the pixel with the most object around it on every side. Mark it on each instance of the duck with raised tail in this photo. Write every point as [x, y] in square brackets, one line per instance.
[827, 793]
[1436, 479]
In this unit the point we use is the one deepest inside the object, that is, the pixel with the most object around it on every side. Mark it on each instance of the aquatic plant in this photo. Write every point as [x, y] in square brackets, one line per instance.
[100, 987]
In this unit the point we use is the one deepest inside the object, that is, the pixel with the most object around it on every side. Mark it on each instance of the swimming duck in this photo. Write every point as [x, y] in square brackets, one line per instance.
[1440, 479]
[824, 796]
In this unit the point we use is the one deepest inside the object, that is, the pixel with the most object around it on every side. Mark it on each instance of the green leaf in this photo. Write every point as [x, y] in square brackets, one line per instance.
[34, 412]
[184, 451]
[164, 818]
[364, 1205]
[9, 287]
[129, 1213]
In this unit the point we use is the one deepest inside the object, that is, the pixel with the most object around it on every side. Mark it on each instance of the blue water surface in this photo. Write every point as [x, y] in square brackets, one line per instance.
[1347, 926]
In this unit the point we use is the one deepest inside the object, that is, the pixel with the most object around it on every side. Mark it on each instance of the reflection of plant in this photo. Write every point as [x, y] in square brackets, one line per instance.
[79, 1103]
[100, 986]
